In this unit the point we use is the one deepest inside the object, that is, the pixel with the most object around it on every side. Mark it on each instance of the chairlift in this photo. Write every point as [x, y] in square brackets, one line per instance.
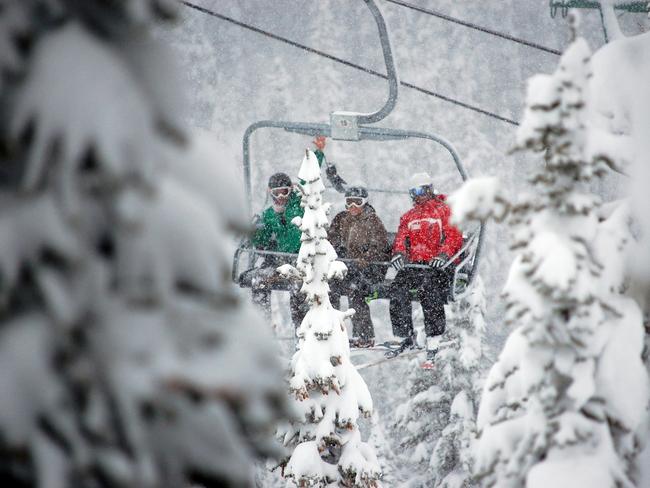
[354, 127]
[563, 7]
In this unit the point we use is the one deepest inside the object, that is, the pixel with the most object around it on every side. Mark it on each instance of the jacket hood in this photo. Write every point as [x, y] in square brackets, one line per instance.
[369, 209]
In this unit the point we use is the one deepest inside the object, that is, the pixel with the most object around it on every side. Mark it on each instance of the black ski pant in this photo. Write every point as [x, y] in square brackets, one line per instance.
[357, 285]
[431, 288]
[265, 279]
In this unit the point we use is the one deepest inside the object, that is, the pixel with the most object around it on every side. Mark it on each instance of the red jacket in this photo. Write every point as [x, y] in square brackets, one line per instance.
[425, 232]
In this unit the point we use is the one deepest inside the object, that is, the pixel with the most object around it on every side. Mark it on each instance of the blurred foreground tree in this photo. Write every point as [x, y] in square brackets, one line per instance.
[126, 359]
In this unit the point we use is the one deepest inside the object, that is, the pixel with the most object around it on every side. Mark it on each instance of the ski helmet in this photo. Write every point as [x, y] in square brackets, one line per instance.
[355, 196]
[279, 180]
[356, 191]
[420, 179]
[421, 184]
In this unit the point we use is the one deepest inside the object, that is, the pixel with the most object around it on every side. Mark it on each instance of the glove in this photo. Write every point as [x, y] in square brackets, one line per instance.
[337, 182]
[319, 142]
[439, 261]
[397, 262]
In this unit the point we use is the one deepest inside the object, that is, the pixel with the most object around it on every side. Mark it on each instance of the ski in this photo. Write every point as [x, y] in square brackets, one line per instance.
[405, 354]
[381, 347]
[393, 353]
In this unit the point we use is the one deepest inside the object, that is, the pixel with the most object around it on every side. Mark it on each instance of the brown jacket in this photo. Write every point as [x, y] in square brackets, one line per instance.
[360, 237]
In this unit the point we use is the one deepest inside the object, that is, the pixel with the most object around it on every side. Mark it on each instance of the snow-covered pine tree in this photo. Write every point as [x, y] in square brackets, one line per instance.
[329, 392]
[436, 426]
[451, 463]
[126, 357]
[565, 404]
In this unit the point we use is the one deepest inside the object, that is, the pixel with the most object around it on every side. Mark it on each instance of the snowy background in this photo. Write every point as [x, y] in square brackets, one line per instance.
[235, 77]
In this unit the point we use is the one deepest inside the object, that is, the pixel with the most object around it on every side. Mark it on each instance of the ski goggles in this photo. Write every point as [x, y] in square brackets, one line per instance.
[355, 202]
[419, 191]
[281, 191]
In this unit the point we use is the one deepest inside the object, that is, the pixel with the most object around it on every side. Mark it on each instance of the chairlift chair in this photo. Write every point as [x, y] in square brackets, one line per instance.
[353, 127]
[563, 7]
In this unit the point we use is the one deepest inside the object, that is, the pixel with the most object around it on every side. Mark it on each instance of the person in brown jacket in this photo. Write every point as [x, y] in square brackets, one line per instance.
[358, 233]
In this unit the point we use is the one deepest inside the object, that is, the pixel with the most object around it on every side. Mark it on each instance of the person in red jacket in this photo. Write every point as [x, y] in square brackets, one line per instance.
[424, 236]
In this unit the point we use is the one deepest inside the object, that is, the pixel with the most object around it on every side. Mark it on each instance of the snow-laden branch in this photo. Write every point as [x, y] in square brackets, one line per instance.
[126, 357]
[478, 199]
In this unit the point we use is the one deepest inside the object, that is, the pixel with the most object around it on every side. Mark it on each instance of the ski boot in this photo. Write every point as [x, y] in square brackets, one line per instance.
[362, 343]
[432, 350]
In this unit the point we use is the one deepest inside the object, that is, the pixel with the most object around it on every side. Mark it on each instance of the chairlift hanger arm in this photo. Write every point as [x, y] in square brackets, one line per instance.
[344, 125]
[391, 70]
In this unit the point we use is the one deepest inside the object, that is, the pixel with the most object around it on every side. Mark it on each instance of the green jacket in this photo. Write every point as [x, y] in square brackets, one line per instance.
[276, 232]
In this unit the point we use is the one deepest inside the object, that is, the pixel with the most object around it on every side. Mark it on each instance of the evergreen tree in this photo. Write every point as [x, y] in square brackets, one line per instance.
[126, 356]
[451, 463]
[564, 405]
[437, 423]
[329, 392]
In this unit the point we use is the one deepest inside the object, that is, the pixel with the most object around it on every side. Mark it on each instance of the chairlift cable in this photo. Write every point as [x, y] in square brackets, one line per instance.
[471, 25]
[346, 63]
[459, 103]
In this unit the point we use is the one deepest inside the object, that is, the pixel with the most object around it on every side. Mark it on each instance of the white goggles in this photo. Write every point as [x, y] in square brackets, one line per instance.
[355, 201]
[281, 191]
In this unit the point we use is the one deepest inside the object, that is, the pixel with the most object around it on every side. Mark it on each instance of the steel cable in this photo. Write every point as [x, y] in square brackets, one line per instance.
[347, 63]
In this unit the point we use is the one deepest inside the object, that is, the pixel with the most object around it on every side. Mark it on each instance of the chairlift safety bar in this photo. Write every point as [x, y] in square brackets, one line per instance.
[391, 70]
[263, 252]
[476, 238]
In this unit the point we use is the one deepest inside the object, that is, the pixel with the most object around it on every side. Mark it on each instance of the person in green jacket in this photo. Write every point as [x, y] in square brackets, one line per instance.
[275, 232]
